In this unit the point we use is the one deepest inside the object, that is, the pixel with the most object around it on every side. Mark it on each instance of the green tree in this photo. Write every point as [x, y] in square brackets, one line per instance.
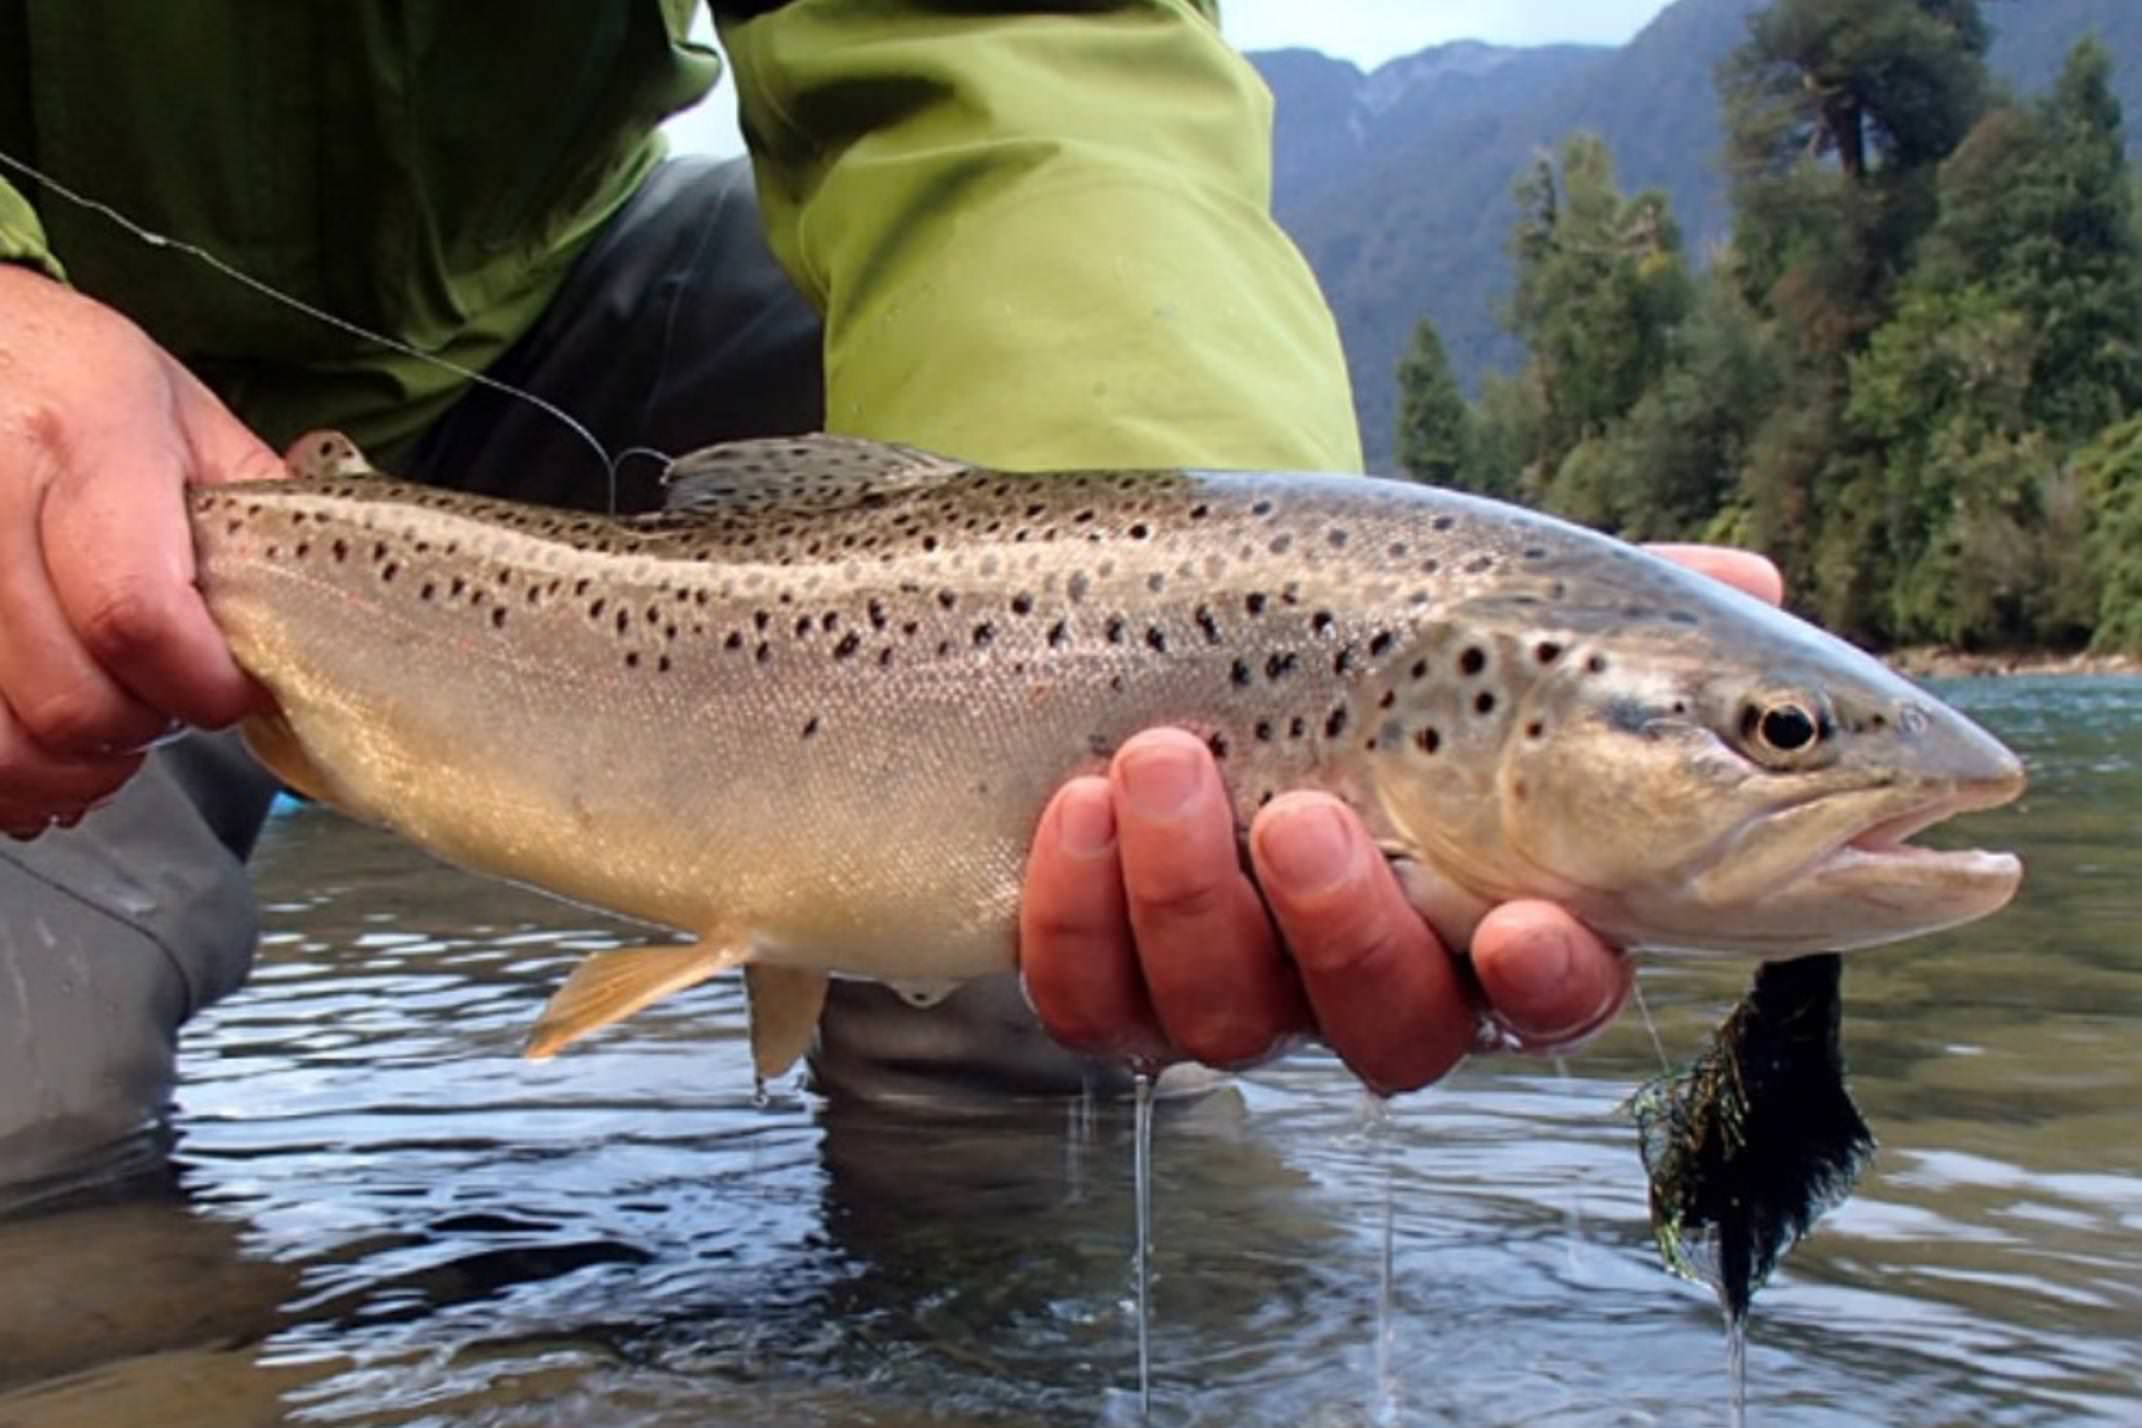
[2109, 472]
[1600, 284]
[1838, 114]
[2038, 205]
[1669, 467]
[1435, 426]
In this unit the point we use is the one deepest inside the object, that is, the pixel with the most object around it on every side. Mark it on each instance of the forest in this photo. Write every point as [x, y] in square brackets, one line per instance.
[1913, 374]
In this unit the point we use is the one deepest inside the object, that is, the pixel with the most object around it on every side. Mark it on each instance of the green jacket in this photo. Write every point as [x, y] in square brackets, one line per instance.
[1039, 234]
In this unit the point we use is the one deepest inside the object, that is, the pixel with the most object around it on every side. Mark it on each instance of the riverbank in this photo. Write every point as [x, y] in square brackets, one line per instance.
[1938, 662]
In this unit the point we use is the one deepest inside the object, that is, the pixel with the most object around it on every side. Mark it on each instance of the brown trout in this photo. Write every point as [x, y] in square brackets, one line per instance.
[811, 712]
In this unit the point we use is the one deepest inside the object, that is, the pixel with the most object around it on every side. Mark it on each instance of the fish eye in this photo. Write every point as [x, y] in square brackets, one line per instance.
[1787, 727]
[1783, 726]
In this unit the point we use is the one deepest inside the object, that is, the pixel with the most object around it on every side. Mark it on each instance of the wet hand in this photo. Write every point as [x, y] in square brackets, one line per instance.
[104, 642]
[1141, 935]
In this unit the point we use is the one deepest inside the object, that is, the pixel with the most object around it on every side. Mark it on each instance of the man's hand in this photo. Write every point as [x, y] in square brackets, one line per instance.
[104, 642]
[1140, 935]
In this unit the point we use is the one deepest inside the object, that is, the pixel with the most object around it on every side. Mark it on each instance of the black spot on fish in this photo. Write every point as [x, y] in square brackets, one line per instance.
[1547, 652]
[1343, 661]
[1139, 531]
[1420, 669]
[810, 727]
[1381, 644]
[1535, 729]
[389, 571]
[947, 598]
[1059, 633]
[1115, 629]
[1157, 639]
[1472, 661]
[849, 644]
[1077, 586]
[1217, 742]
[733, 641]
[1335, 723]
[1444, 523]
[1281, 543]
[1261, 508]
[1240, 674]
[1022, 604]
[1322, 621]
[632, 659]
[1254, 603]
[763, 653]
[1484, 702]
[341, 549]
[662, 664]
[984, 634]
[1337, 539]
[1281, 665]
[1596, 664]
[1208, 624]
[1428, 739]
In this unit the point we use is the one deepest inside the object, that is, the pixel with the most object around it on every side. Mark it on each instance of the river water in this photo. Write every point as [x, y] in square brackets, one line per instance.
[378, 1214]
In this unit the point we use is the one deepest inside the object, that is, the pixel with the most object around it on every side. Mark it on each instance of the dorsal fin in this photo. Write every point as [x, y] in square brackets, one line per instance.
[818, 472]
[326, 453]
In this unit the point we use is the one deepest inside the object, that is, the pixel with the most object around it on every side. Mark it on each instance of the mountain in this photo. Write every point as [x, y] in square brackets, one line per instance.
[1396, 183]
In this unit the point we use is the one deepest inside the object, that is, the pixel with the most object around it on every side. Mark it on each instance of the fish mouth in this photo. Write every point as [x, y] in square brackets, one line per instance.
[1880, 867]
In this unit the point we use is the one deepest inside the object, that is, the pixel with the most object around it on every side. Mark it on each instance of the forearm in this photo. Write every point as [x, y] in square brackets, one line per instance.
[1041, 237]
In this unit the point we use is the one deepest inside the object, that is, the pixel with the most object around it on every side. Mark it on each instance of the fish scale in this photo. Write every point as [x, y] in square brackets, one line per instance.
[811, 712]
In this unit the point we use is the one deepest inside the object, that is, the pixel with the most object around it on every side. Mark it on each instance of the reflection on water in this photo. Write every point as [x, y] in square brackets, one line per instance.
[384, 1216]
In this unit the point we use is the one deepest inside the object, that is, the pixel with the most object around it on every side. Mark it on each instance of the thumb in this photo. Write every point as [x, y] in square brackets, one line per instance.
[222, 447]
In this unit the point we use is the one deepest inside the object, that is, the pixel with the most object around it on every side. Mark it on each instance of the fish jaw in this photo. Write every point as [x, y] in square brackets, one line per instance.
[1863, 889]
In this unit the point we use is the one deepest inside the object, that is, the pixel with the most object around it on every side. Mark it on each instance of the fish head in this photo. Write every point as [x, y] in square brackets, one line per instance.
[1698, 772]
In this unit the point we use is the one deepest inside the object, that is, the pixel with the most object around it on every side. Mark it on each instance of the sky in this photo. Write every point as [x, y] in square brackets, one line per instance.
[1368, 32]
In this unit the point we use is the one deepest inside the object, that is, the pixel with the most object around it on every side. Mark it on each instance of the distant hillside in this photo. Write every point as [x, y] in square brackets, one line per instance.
[1396, 184]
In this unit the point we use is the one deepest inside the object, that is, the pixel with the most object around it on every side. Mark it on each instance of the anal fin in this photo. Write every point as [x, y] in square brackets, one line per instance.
[611, 986]
[785, 1003]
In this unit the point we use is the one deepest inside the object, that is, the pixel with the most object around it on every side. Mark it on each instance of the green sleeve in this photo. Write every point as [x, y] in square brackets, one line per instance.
[1041, 236]
[22, 237]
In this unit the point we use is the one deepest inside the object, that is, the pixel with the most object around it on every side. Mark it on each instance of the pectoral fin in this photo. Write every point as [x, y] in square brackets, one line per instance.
[611, 986]
[785, 1003]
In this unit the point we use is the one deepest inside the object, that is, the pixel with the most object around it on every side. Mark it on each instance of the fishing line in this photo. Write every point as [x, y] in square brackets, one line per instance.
[153, 239]
[1636, 989]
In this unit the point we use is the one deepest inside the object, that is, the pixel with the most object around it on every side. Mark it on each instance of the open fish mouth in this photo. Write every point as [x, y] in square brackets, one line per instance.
[1882, 864]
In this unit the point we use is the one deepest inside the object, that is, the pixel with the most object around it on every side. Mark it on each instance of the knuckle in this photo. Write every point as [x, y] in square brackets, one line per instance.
[1350, 942]
[124, 620]
[69, 719]
[1178, 900]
